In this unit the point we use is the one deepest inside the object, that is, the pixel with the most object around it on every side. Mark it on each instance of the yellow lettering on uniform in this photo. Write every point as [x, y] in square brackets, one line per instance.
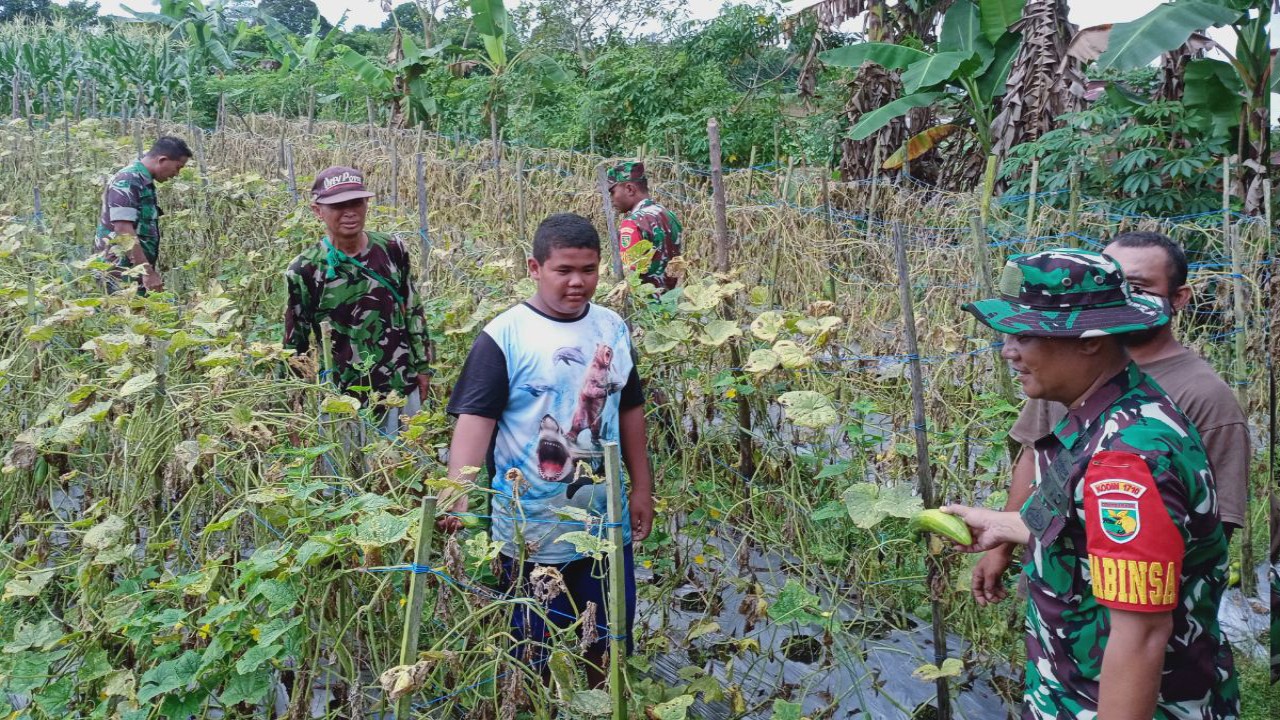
[1095, 575]
[1170, 586]
[1123, 569]
[1156, 573]
[1138, 582]
[1108, 579]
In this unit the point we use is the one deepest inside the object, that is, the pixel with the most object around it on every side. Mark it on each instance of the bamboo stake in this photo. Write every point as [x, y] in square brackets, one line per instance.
[417, 593]
[924, 475]
[617, 615]
[1073, 211]
[293, 180]
[988, 189]
[985, 284]
[611, 223]
[520, 209]
[311, 112]
[395, 171]
[751, 173]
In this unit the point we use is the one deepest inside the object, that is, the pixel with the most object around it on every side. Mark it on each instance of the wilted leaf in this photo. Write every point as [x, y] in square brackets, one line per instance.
[104, 534]
[718, 332]
[666, 337]
[819, 326]
[27, 585]
[115, 554]
[761, 361]
[791, 355]
[74, 427]
[810, 409]
[402, 680]
[920, 144]
[767, 325]
[138, 383]
[120, 683]
[704, 628]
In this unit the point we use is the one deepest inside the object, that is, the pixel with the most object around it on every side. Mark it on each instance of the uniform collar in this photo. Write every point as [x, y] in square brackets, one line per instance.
[139, 167]
[643, 204]
[1078, 420]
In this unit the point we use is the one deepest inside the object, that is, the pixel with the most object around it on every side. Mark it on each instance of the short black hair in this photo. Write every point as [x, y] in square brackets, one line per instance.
[564, 230]
[1172, 250]
[642, 183]
[171, 147]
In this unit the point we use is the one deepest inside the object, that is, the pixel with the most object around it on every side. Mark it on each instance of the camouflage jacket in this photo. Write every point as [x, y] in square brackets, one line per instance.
[1144, 536]
[130, 196]
[379, 332]
[649, 221]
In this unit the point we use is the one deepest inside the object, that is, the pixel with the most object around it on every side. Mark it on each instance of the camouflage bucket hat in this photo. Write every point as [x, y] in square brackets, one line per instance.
[628, 171]
[1067, 293]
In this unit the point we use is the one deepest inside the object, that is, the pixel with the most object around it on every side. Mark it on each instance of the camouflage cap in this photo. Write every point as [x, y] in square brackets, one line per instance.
[626, 171]
[1067, 293]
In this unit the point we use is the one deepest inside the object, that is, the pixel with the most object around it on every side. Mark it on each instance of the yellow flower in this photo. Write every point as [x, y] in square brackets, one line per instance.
[699, 559]
[179, 625]
[714, 513]
[647, 563]
[403, 601]
[255, 633]
[204, 630]
[731, 393]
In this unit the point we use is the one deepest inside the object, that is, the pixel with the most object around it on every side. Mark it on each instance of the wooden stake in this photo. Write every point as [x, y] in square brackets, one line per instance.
[751, 173]
[924, 474]
[395, 171]
[986, 288]
[293, 180]
[520, 210]
[423, 229]
[611, 223]
[417, 593]
[311, 112]
[746, 449]
[988, 189]
[617, 615]
[1240, 368]
[1073, 211]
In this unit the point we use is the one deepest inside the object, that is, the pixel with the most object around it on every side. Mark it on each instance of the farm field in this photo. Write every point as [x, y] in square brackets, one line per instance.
[193, 523]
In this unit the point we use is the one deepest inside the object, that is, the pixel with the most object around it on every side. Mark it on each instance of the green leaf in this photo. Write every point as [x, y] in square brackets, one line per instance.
[226, 521]
[245, 688]
[1134, 44]
[809, 409]
[40, 637]
[871, 122]
[667, 337]
[371, 76]
[962, 30]
[819, 326]
[381, 528]
[1215, 92]
[783, 710]
[718, 332]
[279, 594]
[674, 709]
[169, 675]
[991, 83]
[761, 361]
[254, 657]
[886, 55]
[951, 667]
[95, 665]
[998, 15]
[584, 543]
[869, 503]
[795, 604]
[340, 405]
[933, 70]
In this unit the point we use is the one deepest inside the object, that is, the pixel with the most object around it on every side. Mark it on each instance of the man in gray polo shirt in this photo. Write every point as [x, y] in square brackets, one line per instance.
[1154, 265]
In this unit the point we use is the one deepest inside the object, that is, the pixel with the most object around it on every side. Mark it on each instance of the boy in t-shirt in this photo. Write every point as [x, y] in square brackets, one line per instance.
[546, 384]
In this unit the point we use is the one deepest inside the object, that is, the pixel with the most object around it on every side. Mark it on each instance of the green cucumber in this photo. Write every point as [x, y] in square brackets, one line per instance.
[940, 523]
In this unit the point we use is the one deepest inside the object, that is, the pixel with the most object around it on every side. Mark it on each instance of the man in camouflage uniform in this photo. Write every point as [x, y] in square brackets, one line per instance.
[1126, 560]
[361, 283]
[648, 234]
[128, 232]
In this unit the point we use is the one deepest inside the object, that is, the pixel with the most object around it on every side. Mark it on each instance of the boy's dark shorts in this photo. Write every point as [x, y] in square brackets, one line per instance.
[586, 580]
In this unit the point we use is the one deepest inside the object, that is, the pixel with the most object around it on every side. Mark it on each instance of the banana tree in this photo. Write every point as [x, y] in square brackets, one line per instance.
[292, 52]
[490, 20]
[1222, 94]
[213, 37]
[968, 72]
[404, 82]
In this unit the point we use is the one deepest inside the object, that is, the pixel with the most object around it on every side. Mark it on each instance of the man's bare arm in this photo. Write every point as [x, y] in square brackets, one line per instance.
[635, 453]
[1132, 664]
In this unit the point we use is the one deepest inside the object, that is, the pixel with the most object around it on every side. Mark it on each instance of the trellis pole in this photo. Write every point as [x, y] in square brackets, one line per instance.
[1239, 367]
[611, 223]
[924, 476]
[423, 228]
[617, 615]
[417, 593]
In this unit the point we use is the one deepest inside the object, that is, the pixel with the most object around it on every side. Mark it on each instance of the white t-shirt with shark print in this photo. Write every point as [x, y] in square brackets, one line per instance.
[555, 388]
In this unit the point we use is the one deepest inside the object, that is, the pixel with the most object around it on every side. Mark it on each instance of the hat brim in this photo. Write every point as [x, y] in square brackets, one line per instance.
[343, 197]
[1017, 319]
